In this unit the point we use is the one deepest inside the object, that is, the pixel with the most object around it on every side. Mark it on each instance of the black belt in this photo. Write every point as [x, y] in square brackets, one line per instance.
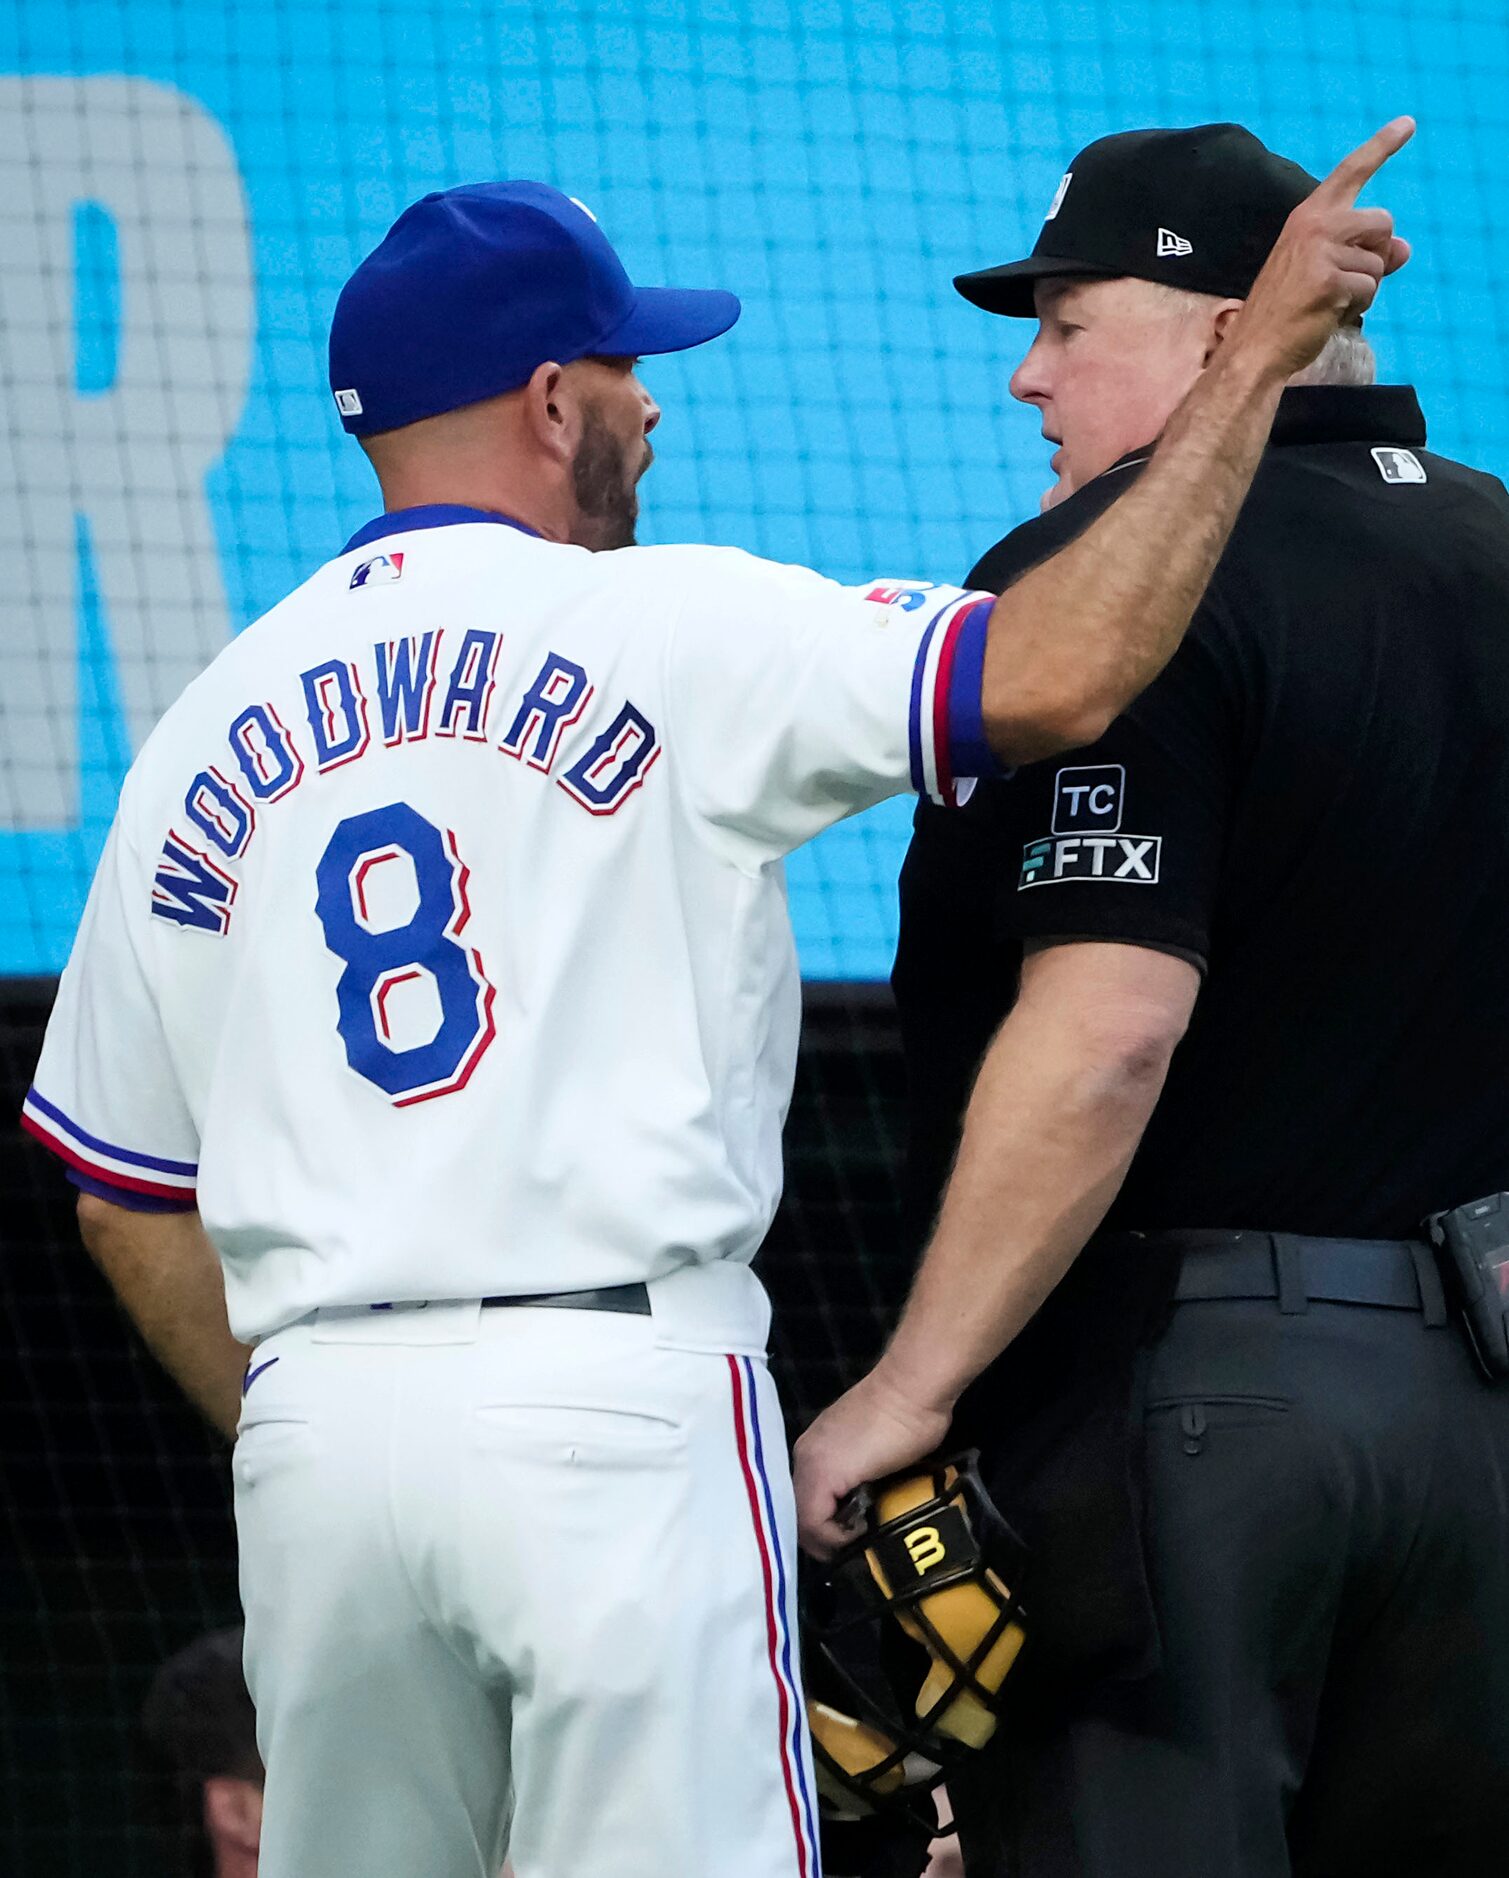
[628, 1300]
[1297, 1271]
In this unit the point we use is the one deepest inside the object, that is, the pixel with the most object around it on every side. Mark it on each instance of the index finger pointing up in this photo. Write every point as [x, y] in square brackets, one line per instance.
[1347, 179]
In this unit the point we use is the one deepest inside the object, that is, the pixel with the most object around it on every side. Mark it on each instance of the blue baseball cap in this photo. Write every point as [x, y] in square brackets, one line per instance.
[472, 289]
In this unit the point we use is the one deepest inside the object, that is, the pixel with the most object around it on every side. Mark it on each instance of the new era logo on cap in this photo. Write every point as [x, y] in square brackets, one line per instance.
[1170, 243]
[348, 404]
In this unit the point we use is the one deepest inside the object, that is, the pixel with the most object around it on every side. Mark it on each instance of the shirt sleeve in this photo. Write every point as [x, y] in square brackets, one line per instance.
[796, 701]
[1125, 840]
[106, 1099]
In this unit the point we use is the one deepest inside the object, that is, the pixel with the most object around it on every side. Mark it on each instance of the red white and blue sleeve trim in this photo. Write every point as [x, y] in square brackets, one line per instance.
[143, 1182]
[947, 727]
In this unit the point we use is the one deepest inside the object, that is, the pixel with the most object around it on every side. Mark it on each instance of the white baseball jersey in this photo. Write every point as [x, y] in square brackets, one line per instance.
[440, 946]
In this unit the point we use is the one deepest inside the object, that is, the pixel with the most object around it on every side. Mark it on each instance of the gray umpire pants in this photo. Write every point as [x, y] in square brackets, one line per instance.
[1327, 1540]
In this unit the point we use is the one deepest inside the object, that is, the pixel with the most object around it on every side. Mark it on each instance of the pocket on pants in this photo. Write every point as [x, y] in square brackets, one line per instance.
[577, 1433]
[1202, 1416]
[267, 1446]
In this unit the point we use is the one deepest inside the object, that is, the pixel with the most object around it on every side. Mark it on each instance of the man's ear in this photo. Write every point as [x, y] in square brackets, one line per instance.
[1221, 323]
[552, 412]
[233, 1812]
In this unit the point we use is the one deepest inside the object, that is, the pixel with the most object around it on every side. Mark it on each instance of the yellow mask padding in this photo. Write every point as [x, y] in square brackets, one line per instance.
[963, 1616]
[854, 1746]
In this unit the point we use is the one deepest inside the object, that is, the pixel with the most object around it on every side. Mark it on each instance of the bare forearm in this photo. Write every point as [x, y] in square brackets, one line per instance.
[1080, 635]
[1048, 1137]
[165, 1272]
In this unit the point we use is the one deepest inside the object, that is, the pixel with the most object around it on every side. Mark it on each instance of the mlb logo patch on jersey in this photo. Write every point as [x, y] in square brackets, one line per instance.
[1398, 466]
[380, 568]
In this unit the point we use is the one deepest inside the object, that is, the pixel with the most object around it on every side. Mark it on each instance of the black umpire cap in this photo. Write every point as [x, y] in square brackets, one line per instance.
[1199, 209]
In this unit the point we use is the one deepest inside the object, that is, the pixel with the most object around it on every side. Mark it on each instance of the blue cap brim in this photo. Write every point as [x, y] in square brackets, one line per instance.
[670, 319]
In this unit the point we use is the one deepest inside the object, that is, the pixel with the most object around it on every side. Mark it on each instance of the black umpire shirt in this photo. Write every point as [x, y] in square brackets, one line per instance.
[1311, 804]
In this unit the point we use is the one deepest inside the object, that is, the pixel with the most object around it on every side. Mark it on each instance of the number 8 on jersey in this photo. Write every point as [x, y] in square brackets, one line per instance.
[422, 950]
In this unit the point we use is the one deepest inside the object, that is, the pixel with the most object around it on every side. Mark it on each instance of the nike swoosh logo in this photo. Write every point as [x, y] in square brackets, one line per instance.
[252, 1374]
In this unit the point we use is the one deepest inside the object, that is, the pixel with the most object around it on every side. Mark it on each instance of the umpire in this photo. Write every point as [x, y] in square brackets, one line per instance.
[1239, 977]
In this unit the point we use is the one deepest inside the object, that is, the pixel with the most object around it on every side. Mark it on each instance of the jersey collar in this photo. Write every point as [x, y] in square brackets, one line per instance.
[1349, 414]
[429, 515]
[1328, 414]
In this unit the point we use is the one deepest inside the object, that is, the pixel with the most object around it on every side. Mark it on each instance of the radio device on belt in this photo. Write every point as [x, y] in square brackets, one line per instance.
[1475, 1241]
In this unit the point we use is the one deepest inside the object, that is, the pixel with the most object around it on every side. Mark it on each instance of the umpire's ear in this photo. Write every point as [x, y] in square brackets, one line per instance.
[872, 1848]
[1222, 319]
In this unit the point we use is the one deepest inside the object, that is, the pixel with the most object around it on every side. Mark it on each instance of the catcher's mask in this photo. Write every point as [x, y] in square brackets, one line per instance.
[893, 1704]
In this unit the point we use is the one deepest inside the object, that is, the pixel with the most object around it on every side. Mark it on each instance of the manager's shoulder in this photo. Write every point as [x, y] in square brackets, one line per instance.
[691, 581]
[698, 564]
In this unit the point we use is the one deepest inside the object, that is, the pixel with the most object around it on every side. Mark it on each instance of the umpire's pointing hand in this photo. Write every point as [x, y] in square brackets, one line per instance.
[1325, 267]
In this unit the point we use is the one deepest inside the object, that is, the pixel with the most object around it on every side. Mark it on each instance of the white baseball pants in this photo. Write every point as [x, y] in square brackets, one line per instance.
[520, 1579]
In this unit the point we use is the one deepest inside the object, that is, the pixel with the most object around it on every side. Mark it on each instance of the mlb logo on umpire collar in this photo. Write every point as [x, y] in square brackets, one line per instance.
[1398, 466]
[1088, 799]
